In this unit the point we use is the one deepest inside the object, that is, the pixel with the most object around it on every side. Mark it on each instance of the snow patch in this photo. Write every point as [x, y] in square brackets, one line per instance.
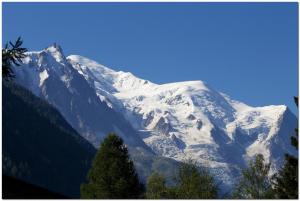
[43, 76]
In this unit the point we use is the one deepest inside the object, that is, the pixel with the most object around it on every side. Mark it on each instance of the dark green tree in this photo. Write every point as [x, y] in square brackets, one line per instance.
[255, 183]
[112, 174]
[12, 55]
[194, 182]
[156, 187]
[286, 180]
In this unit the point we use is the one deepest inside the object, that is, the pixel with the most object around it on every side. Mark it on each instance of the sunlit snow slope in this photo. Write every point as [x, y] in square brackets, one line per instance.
[180, 120]
[191, 120]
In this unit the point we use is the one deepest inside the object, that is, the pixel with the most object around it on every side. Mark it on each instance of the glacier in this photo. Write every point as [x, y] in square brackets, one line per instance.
[180, 121]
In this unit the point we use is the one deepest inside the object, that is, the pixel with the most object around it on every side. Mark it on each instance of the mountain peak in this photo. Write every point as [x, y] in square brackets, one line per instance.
[54, 46]
[56, 51]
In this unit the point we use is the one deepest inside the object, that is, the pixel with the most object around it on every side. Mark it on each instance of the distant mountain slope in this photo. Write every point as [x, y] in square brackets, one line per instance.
[39, 146]
[191, 120]
[175, 120]
[50, 76]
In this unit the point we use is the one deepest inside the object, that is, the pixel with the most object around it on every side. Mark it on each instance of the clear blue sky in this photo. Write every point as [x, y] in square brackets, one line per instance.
[247, 50]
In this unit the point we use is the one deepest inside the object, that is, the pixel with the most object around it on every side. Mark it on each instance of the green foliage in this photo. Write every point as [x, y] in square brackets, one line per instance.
[156, 187]
[12, 55]
[39, 146]
[146, 163]
[286, 180]
[195, 183]
[192, 182]
[112, 174]
[255, 183]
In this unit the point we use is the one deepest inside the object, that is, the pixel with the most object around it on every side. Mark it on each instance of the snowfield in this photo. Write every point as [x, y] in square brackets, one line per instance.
[182, 120]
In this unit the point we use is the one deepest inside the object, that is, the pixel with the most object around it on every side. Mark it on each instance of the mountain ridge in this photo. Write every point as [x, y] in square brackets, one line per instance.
[175, 120]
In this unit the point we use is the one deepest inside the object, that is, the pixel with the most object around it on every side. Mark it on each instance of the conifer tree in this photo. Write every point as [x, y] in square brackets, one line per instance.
[286, 181]
[255, 183]
[112, 175]
[191, 182]
[156, 187]
[195, 183]
[12, 55]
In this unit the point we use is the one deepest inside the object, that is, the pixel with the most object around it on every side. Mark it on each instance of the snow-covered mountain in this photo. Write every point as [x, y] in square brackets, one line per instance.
[50, 76]
[177, 120]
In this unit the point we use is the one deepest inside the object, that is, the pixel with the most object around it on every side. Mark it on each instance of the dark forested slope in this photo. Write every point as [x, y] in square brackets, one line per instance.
[39, 146]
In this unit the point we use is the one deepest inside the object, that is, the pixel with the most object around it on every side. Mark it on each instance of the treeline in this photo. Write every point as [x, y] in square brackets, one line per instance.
[113, 176]
[191, 182]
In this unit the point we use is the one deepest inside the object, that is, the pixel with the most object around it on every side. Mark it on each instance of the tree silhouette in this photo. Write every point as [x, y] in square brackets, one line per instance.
[255, 183]
[156, 187]
[12, 55]
[112, 175]
[286, 181]
[195, 182]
